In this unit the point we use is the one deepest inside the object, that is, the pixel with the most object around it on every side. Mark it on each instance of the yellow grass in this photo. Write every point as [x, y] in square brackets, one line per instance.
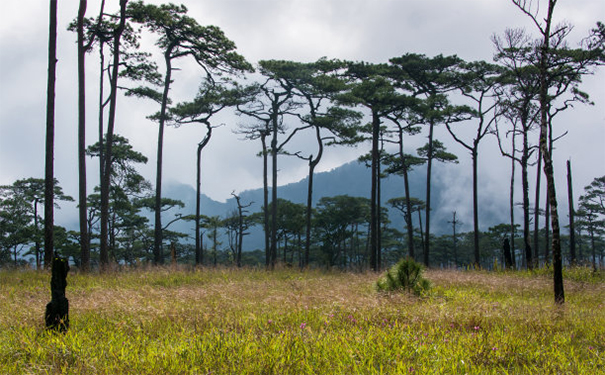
[227, 321]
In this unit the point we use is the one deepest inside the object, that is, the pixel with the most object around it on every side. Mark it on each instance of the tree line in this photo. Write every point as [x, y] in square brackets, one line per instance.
[516, 99]
[339, 237]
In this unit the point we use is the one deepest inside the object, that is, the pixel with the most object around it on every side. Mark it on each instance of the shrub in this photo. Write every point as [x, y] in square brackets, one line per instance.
[406, 275]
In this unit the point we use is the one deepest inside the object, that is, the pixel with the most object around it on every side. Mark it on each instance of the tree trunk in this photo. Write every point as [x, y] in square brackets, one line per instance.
[572, 232]
[559, 293]
[546, 205]
[199, 256]
[455, 238]
[106, 181]
[476, 207]
[266, 199]
[379, 212]
[546, 231]
[37, 232]
[422, 234]
[240, 231]
[592, 245]
[525, 183]
[274, 189]
[408, 203]
[374, 194]
[428, 196]
[198, 253]
[512, 207]
[82, 203]
[308, 213]
[214, 248]
[312, 164]
[157, 244]
[537, 204]
[49, 178]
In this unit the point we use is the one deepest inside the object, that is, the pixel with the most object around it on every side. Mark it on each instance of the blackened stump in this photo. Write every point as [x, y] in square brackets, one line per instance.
[57, 310]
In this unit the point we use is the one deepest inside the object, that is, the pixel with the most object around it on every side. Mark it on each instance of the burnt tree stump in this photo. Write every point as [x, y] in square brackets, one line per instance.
[57, 310]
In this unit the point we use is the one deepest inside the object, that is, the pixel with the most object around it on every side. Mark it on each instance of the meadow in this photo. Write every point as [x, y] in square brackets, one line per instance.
[246, 321]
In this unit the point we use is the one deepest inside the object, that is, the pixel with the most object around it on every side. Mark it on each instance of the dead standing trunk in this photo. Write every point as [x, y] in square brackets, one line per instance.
[57, 310]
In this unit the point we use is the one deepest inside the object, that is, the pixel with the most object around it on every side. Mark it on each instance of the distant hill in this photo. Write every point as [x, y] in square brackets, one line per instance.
[353, 179]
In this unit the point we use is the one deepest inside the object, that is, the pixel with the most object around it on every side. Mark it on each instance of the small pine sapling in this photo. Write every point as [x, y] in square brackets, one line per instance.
[406, 275]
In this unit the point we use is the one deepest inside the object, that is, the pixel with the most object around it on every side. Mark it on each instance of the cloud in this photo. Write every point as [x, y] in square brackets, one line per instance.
[302, 30]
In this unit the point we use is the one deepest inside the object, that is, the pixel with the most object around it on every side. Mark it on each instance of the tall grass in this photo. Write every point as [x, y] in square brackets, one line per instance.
[224, 321]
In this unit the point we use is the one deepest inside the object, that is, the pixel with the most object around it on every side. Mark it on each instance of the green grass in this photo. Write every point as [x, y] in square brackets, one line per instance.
[223, 321]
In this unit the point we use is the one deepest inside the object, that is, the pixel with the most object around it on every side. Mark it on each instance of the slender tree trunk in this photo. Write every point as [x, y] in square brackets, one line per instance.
[512, 207]
[592, 245]
[422, 234]
[455, 239]
[102, 145]
[266, 200]
[312, 164]
[546, 230]
[308, 213]
[525, 183]
[214, 247]
[408, 203]
[102, 102]
[274, 189]
[82, 203]
[198, 179]
[106, 181]
[547, 207]
[537, 204]
[240, 234]
[49, 173]
[374, 194]
[476, 206]
[157, 244]
[199, 256]
[580, 243]
[559, 293]
[428, 196]
[572, 231]
[379, 211]
[37, 232]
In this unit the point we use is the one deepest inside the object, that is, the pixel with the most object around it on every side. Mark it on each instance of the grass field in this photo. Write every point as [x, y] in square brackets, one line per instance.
[227, 321]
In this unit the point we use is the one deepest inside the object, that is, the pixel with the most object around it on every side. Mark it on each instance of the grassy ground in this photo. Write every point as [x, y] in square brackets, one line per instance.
[222, 321]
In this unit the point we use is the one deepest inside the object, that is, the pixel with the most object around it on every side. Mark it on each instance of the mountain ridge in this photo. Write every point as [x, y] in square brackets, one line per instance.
[353, 179]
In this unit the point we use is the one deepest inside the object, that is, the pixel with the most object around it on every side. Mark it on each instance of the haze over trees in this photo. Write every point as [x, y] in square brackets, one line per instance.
[380, 107]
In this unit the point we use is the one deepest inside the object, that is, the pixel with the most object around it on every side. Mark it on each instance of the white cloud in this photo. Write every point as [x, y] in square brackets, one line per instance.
[303, 30]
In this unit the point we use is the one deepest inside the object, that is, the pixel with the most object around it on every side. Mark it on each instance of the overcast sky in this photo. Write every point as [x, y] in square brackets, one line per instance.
[300, 30]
